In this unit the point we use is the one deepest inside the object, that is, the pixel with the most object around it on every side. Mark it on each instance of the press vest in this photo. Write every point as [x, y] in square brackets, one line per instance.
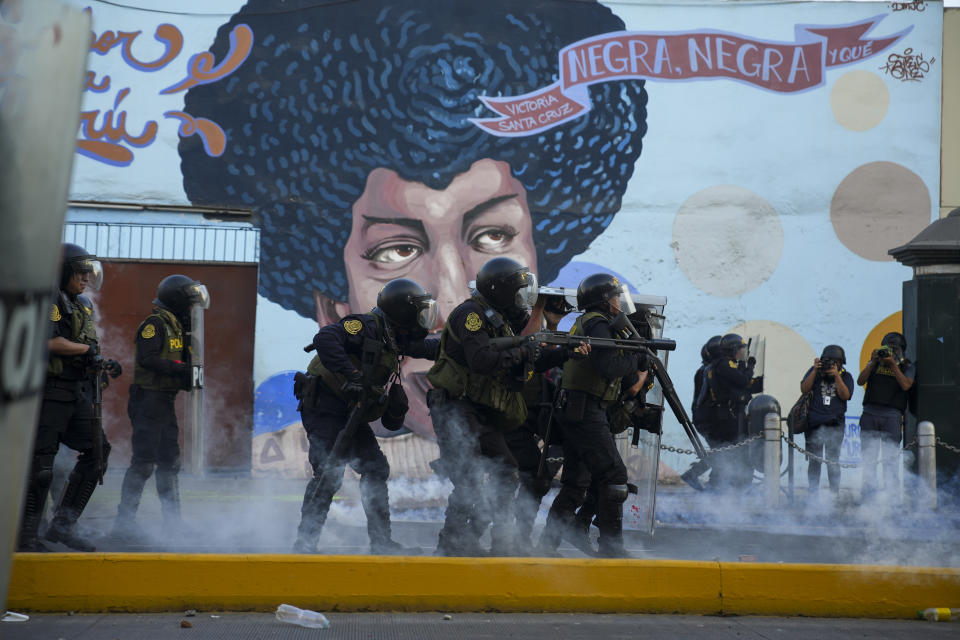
[82, 330]
[171, 350]
[581, 375]
[489, 390]
[884, 390]
[387, 364]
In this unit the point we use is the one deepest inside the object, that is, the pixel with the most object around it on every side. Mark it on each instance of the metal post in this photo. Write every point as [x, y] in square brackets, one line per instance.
[771, 460]
[195, 398]
[927, 463]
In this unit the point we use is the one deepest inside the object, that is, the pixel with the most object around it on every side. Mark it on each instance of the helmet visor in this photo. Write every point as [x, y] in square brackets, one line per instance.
[198, 295]
[528, 292]
[95, 271]
[428, 314]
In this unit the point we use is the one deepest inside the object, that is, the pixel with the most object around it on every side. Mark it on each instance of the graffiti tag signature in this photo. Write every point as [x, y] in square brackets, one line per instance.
[110, 142]
[907, 66]
[916, 5]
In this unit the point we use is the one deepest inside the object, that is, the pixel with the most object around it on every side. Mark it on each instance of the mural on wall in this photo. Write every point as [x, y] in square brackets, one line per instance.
[749, 162]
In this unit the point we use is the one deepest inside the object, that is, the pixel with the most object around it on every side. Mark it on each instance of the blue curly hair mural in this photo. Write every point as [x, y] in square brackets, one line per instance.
[332, 91]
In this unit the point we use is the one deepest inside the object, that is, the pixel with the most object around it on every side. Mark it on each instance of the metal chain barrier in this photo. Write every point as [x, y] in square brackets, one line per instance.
[813, 456]
[947, 446]
[691, 452]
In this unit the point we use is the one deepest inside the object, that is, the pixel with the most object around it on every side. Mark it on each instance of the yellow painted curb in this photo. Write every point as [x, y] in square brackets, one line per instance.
[171, 582]
[826, 590]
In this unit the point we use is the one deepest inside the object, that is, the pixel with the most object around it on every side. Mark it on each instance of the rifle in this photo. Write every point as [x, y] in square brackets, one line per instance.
[95, 371]
[635, 342]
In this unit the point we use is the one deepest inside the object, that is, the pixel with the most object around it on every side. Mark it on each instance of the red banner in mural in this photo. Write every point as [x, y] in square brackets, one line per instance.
[782, 67]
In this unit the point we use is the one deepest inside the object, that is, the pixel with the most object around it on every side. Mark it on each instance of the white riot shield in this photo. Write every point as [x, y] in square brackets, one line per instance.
[43, 48]
[758, 350]
[643, 462]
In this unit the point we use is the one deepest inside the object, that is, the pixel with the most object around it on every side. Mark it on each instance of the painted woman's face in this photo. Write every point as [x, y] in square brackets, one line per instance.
[438, 238]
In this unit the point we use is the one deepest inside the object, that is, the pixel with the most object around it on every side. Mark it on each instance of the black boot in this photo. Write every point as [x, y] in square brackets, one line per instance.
[125, 528]
[33, 503]
[313, 514]
[376, 505]
[168, 489]
[610, 521]
[63, 528]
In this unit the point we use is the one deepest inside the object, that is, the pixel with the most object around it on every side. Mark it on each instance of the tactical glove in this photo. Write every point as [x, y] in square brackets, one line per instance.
[113, 368]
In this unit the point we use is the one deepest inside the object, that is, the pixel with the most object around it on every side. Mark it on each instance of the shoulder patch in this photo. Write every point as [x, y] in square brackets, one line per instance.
[55, 314]
[733, 365]
[473, 322]
[353, 327]
[148, 331]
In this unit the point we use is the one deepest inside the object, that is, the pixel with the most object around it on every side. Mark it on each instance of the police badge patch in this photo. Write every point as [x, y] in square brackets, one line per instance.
[148, 332]
[473, 322]
[55, 314]
[353, 326]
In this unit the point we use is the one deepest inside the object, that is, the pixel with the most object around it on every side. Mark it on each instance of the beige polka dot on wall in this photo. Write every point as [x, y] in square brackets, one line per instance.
[860, 100]
[727, 240]
[879, 206]
[788, 356]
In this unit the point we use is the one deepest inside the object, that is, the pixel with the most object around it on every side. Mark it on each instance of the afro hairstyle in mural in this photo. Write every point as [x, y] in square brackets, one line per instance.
[332, 91]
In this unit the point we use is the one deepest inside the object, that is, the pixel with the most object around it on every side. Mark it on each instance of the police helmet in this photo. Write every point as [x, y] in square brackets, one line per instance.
[834, 352]
[407, 305]
[76, 259]
[178, 293]
[709, 350]
[731, 344]
[505, 284]
[597, 289]
[894, 340]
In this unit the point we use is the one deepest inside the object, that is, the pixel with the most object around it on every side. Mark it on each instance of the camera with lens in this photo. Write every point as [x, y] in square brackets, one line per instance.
[826, 363]
[884, 352]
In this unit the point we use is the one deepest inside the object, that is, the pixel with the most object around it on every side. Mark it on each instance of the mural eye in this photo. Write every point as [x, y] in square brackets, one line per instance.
[394, 254]
[493, 239]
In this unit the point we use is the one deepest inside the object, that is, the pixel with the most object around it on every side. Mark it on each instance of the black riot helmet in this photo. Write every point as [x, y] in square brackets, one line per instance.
[507, 284]
[895, 340]
[597, 290]
[730, 346]
[408, 306]
[76, 259]
[709, 350]
[178, 293]
[834, 352]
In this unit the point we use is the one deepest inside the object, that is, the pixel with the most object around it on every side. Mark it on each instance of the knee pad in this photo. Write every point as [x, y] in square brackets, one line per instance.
[615, 492]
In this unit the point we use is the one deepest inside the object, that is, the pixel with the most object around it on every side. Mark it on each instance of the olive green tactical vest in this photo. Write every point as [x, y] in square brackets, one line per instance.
[581, 375]
[81, 330]
[171, 350]
[490, 390]
[387, 365]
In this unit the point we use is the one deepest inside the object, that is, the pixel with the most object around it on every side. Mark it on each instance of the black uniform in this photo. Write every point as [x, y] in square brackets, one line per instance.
[476, 398]
[161, 369]
[730, 385]
[589, 449]
[325, 410]
[66, 416]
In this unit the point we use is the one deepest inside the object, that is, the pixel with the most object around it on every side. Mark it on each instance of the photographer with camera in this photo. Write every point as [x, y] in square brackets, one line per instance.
[832, 386]
[887, 376]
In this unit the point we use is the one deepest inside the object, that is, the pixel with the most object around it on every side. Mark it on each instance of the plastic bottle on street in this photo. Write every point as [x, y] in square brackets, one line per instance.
[302, 617]
[939, 614]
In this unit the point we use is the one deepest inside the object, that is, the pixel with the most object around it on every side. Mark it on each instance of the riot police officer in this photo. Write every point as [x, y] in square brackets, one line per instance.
[700, 410]
[590, 386]
[539, 394]
[68, 413]
[476, 396]
[730, 383]
[161, 369]
[357, 360]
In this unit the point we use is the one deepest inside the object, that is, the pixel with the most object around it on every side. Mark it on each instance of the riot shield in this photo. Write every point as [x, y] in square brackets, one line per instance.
[42, 60]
